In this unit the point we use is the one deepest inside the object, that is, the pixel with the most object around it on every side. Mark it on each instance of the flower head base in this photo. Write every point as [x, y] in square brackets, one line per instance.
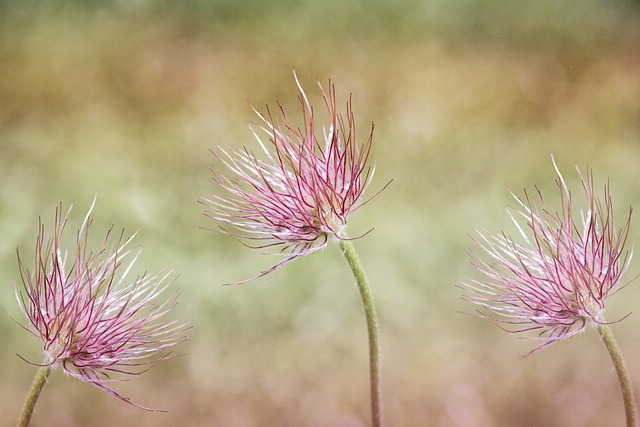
[301, 194]
[93, 321]
[559, 278]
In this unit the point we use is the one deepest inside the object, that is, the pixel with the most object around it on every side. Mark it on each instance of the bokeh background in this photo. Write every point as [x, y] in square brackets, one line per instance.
[470, 98]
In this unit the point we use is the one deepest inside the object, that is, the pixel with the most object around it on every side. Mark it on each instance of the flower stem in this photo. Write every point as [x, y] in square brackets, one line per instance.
[30, 402]
[623, 375]
[372, 327]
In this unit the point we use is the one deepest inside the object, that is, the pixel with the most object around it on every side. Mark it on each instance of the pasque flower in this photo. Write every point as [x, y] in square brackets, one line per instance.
[300, 193]
[93, 320]
[556, 278]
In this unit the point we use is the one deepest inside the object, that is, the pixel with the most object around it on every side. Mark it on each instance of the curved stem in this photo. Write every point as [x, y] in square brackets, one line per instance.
[30, 402]
[372, 327]
[623, 375]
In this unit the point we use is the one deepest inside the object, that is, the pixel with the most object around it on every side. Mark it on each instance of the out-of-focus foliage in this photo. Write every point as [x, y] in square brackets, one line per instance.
[541, 23]
[123, 99]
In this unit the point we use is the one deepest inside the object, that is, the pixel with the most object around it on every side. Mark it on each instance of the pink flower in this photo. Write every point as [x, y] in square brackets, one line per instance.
[302, 192]
[93, 320]
[556, 280]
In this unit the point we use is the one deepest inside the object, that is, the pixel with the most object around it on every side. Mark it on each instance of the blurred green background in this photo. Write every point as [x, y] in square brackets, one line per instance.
[470, 98]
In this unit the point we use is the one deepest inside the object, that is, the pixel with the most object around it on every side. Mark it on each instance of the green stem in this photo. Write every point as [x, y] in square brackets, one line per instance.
[30, 402]
[623, 375]
[372, 327]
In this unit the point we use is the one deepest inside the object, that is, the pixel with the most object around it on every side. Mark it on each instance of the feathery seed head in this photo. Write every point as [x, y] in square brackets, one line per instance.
[299, 193]
[557, 279]
[92, 319]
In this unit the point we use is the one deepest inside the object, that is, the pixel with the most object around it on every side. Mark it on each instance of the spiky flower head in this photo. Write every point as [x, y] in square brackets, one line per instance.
[300, 193]
[555, 279]
[92, 319]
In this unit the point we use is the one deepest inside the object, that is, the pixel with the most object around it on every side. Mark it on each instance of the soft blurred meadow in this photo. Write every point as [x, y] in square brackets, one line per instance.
[124, 99]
